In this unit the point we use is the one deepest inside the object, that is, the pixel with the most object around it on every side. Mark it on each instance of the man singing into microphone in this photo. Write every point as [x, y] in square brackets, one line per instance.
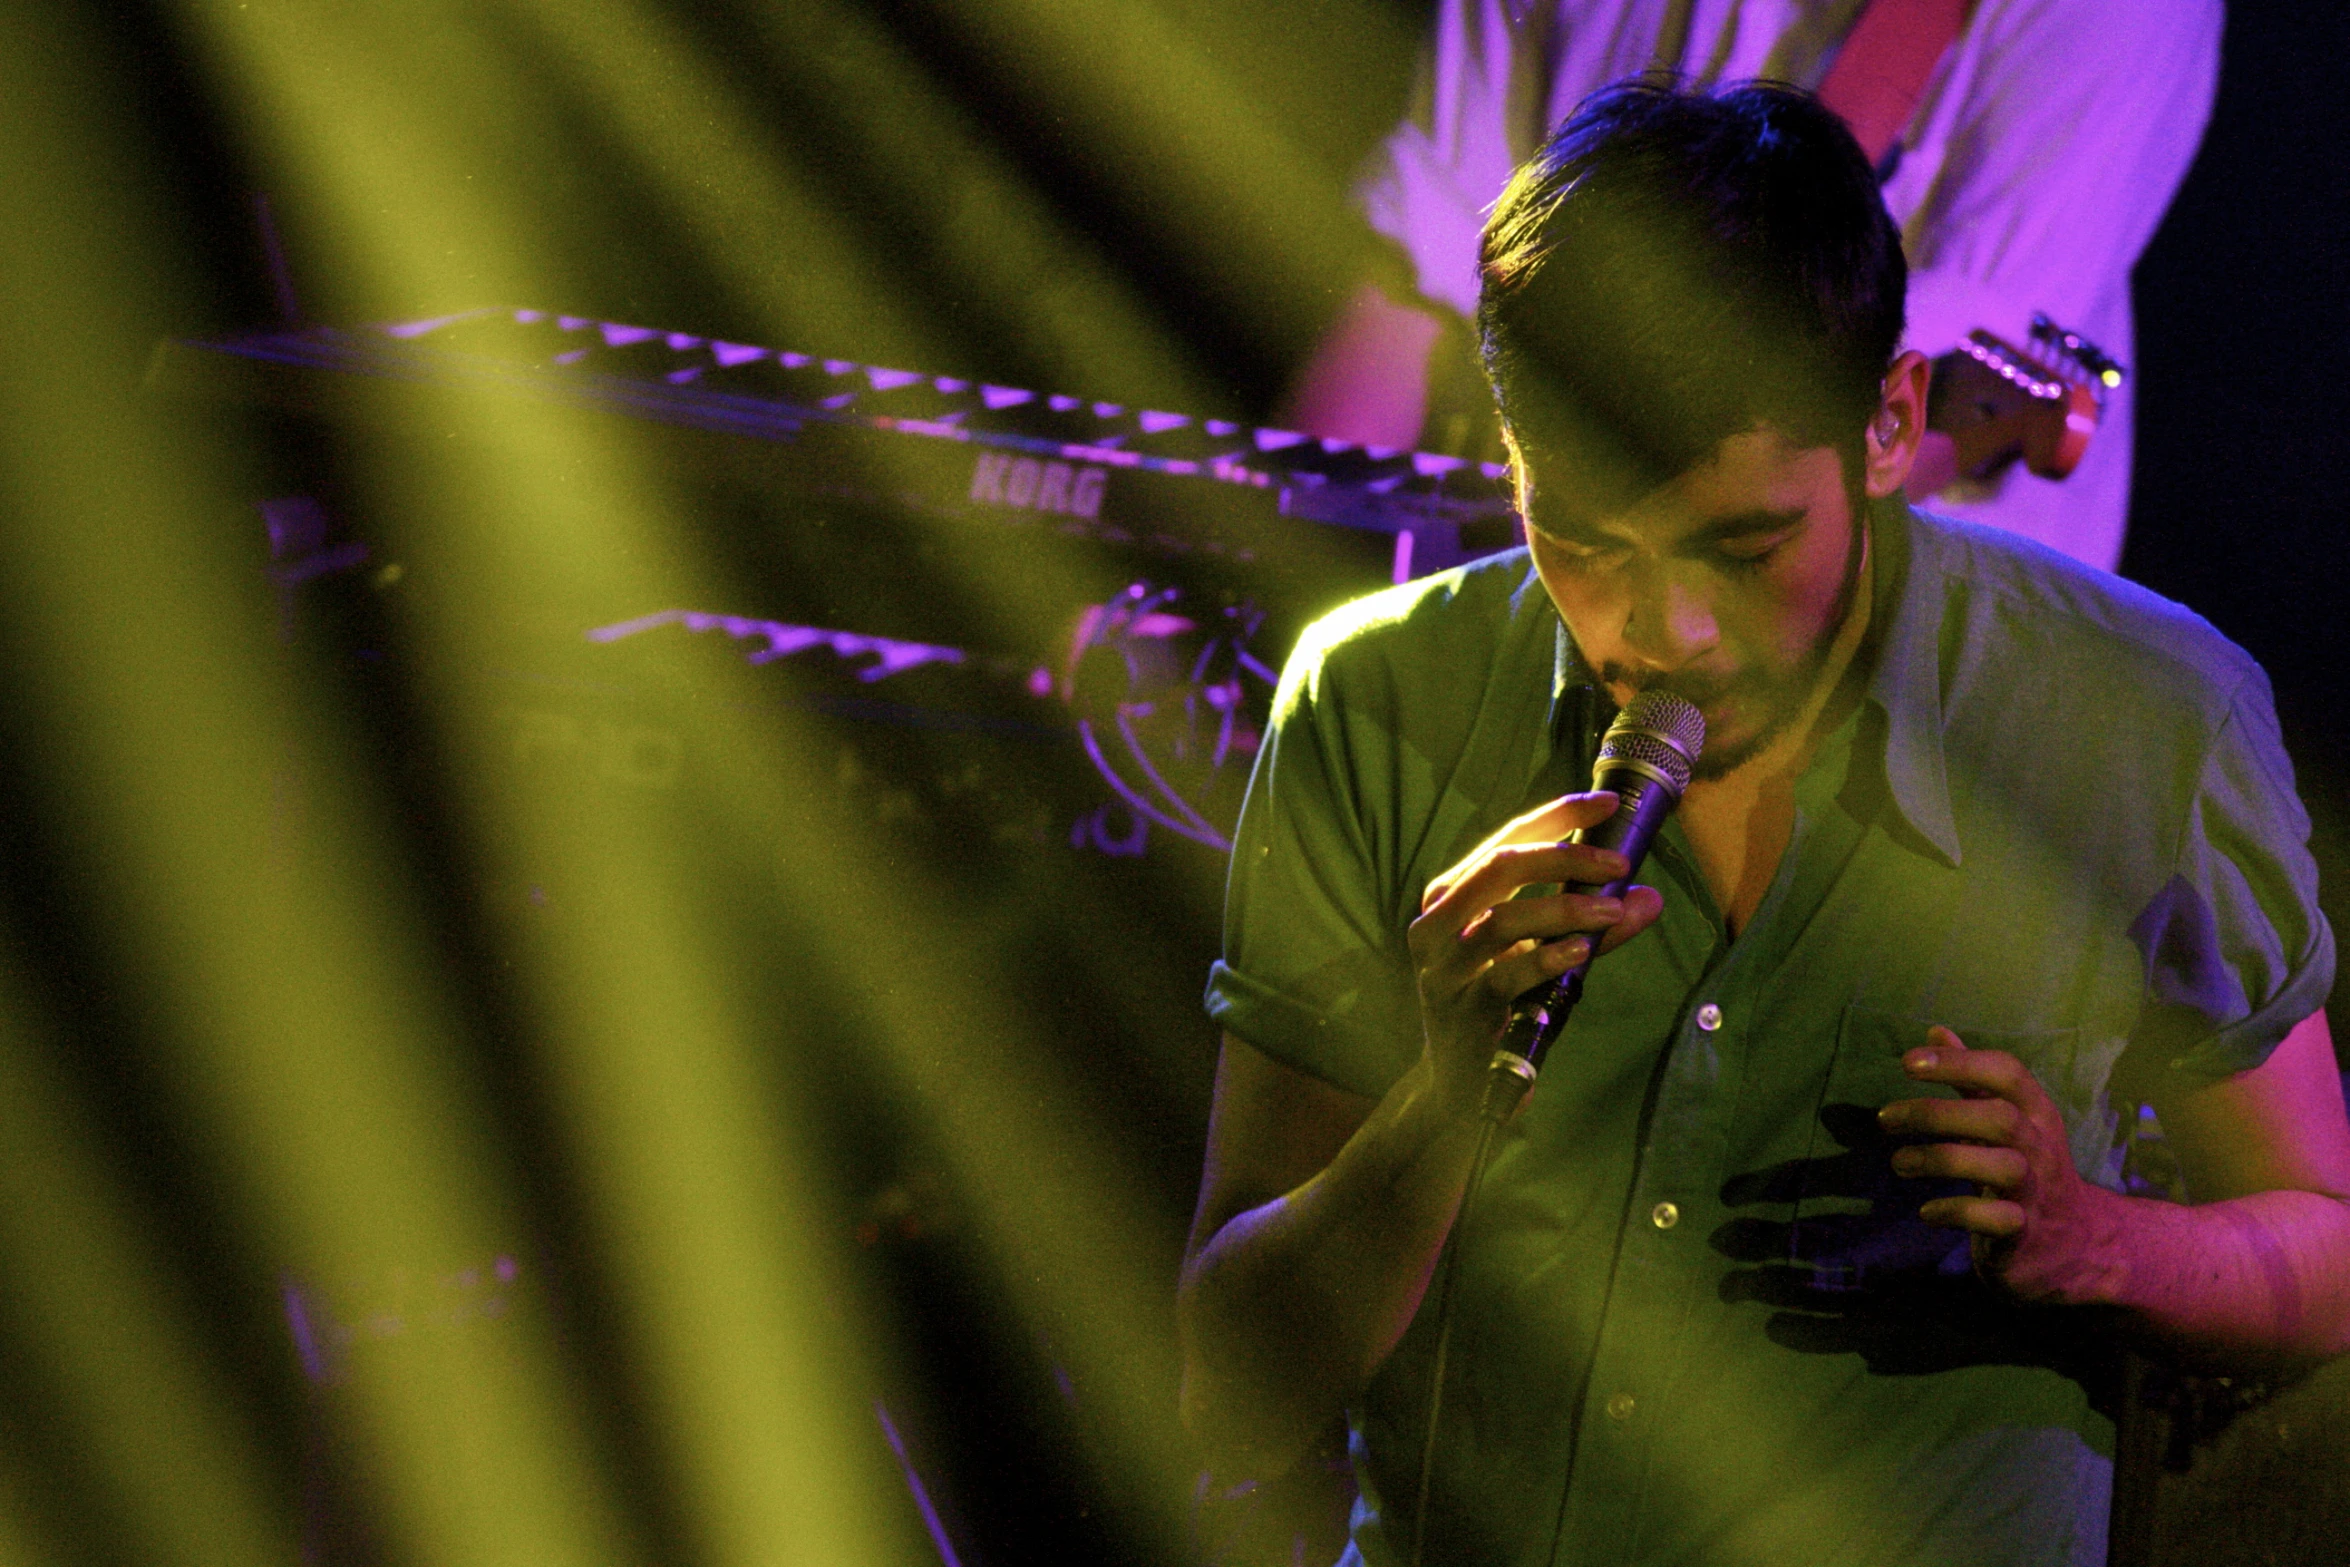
[1808, 1246]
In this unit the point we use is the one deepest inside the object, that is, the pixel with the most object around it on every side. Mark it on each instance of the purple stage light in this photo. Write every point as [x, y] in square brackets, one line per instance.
[930, 1518]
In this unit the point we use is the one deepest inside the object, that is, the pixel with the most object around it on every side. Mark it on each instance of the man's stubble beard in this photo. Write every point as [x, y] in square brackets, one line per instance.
[1779, 698]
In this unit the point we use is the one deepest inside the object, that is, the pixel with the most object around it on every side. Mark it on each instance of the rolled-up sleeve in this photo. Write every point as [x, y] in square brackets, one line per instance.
[2237, 950]
[1313, 973]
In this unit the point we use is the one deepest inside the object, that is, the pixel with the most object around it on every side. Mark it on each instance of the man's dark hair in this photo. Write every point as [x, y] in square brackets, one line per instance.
[1673, 268]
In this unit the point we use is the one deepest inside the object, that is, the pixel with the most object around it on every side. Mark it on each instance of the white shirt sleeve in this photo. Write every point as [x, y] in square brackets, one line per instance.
[1433, 180]
[1489, 88]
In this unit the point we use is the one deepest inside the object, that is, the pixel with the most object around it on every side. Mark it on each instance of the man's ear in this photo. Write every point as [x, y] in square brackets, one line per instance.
[1899, 425]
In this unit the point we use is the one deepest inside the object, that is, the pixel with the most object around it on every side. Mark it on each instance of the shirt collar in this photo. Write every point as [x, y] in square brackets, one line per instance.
[1576, 702]
[1905, 685]
[1568, 683]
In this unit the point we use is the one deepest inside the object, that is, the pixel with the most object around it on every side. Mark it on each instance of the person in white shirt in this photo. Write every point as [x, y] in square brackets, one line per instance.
[2047, 141]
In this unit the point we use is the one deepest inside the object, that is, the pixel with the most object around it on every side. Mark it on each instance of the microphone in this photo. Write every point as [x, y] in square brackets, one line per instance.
[1646, 758]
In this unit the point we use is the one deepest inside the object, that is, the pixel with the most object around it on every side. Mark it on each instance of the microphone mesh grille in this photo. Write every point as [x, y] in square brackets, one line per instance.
[1660, 729]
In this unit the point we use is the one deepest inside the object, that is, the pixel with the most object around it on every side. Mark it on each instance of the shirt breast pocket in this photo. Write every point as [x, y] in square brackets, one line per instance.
[1856, 1221]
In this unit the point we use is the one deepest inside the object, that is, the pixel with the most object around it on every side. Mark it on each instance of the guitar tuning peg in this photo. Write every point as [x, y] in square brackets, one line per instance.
[2100, 369]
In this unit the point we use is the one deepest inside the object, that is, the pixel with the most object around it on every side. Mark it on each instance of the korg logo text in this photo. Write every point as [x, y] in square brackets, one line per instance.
[1030, 485]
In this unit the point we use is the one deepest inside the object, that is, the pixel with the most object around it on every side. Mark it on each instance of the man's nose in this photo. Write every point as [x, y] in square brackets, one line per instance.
[1671, 620]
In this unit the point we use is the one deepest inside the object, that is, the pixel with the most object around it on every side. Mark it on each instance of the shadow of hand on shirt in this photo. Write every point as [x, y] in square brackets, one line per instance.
[1857, 1272]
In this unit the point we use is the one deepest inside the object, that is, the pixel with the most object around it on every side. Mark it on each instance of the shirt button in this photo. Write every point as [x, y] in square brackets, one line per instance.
[1709, 1017]
[1664, 1216]
[1620, 1407]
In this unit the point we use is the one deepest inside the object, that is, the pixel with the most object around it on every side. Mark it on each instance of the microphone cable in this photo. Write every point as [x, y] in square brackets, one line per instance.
[1451, 1270]
[1646, 758]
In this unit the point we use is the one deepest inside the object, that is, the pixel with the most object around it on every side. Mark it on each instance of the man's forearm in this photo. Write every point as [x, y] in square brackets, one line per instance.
[1367, 380]
[1292, 1305]
[2255, 1279]
[2255, 1284]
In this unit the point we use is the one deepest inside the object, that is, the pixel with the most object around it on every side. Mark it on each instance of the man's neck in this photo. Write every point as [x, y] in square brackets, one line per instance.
[1738, 825]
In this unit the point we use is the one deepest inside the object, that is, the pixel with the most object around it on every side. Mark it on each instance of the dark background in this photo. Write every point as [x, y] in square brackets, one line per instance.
[1236, 247]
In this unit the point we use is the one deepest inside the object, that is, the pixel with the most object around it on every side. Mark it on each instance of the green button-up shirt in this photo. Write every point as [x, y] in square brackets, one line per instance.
[1697, 1320]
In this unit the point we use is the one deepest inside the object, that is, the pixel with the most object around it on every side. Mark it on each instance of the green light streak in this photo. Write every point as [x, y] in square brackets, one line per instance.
[245, 864]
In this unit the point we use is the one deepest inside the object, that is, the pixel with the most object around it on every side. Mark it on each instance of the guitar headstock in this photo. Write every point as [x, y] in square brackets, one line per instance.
[1997, 402]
